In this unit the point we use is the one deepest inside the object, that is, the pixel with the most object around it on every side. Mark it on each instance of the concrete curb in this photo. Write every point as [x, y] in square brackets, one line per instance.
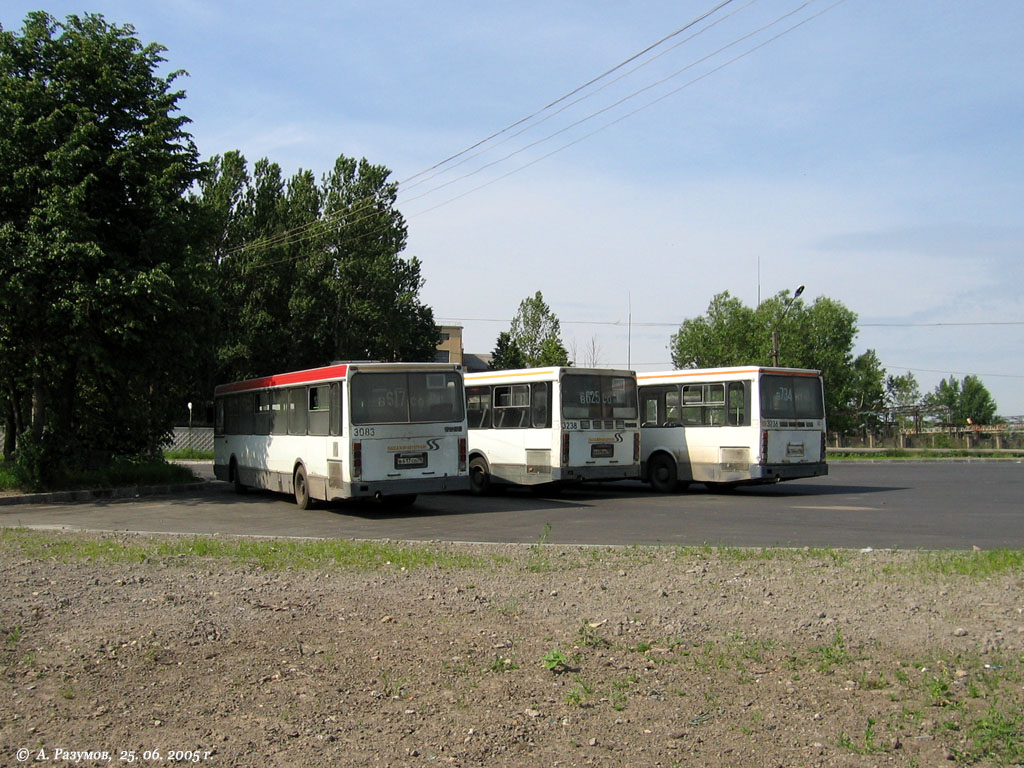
[130, 492]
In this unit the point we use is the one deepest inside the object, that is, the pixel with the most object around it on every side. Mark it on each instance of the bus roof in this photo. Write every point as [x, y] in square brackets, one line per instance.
[542, 374]
[695, 374]
[331, 372]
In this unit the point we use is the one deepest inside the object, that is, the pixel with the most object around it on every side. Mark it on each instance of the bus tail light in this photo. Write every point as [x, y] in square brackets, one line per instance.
[357, 460]
[462, 454]
[823, 446]
[764, 447]
[565, 449]
[636, 447]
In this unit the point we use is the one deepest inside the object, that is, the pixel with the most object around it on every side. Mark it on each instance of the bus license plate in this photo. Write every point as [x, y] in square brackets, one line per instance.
[410, 460]
[795, 450]
[602, 451]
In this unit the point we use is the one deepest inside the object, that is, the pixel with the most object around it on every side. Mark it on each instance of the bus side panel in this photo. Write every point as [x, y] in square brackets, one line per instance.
[517, 456]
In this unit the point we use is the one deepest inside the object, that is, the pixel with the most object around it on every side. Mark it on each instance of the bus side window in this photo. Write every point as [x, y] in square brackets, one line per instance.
[319, 409]
[673, 414]
[649, 407]
[512, 406]
[261, 416]
[296, 400]
[336, 422]
[714, 411]
[478, 407]
[540, 410]
[660, 406]
[693, 397]
[738, 404]
[278, 411]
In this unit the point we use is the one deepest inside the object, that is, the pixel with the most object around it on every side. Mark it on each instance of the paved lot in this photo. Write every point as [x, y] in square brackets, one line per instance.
[902, 505]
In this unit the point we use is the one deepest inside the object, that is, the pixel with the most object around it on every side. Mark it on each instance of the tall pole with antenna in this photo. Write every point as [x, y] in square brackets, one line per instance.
[629, 330]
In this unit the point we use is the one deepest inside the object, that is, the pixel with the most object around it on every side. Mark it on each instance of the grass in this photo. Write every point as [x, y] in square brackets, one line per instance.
[897, 454]
[118, 473]
[266, 554]
[188, 454]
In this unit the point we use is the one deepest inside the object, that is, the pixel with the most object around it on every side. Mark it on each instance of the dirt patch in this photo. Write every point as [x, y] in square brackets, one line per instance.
[538, 656]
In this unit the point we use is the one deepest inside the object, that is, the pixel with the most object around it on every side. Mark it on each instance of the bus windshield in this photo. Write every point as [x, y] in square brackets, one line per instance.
[791, 397]
[407, 397]
[592, 396]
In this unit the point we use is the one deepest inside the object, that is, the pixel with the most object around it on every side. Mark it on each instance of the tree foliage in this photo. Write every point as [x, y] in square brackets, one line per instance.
[536, 333]
[965, 402]
[309, 272]
[818, 336]
[506, 355]
[102, 292]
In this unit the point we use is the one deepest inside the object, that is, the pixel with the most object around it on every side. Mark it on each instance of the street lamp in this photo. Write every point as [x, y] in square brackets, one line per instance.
[775, 331]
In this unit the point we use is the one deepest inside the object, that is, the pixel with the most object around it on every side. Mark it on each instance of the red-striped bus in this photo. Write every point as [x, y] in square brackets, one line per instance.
[349, 430]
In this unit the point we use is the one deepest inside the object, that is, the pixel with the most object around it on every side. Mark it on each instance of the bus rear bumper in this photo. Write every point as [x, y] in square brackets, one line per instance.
[588, 473]
[770, 473]
[401, 487]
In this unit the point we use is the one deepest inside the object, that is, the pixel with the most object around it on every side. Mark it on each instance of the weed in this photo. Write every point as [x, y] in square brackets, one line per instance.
[833, 654]
[539, 562]
[589, 637]
[503, 664]
[556, 661]
[998, 737]
[578, 695]
[870, 746]
[392, 684]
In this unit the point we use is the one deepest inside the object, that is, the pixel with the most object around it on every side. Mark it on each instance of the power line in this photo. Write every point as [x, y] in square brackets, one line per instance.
[305, 232]
[300, 234]
[957, 373]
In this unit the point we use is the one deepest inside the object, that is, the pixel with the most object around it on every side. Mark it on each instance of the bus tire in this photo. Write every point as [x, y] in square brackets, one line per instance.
[235, 477]
[301, 487]
[662, 474]
[479, 477]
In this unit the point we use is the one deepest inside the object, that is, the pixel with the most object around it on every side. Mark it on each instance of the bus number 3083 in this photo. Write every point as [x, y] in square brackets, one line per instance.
[362, 432]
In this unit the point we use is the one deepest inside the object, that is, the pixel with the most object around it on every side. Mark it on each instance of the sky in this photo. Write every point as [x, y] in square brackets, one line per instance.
[870, 150]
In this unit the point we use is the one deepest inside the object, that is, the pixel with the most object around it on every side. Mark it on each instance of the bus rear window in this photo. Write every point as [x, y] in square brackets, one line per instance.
[791, 397]
[407, 397]
[589, 396]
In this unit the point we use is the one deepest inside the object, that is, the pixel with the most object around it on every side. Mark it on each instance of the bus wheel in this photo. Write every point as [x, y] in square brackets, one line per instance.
[301, 489]
[479, 477]
[661, 473]
[233, 474]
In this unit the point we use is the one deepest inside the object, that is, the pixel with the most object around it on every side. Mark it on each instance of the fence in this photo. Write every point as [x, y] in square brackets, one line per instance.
[944, 439]
[196, 438]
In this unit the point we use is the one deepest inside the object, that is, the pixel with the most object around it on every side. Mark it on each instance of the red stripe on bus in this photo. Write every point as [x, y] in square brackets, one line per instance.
[284, 379]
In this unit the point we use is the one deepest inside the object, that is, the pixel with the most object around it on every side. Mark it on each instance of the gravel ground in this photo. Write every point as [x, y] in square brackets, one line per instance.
[506, 656]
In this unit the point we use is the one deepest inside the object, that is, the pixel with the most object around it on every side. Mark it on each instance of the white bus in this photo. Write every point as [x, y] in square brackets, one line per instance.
[551, 426]
[730, 426]
[348, 430]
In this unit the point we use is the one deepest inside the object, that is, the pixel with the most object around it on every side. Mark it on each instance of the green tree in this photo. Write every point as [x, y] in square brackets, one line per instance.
[102, 291]
[536, 332]
[819, 336]
[308, 273]
[506, 355]
[966, 402]
[903, 398]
